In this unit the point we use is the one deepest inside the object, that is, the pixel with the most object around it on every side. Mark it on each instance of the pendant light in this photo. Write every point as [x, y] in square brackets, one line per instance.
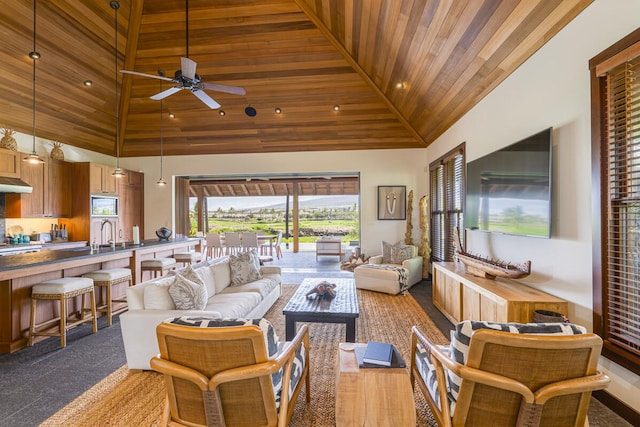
[33, 158]
[161, 182]
[118, 173]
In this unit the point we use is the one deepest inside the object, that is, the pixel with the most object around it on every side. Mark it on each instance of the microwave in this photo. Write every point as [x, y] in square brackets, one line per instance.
[104, 206]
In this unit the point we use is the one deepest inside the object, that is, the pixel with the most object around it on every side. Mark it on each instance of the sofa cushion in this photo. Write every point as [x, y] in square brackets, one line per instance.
[245, 267]
[188, 294]
[208, 278]
[237, 304]
[156, 295]
[221, 275]
[401, 253]
[461, 337]
[262, 286]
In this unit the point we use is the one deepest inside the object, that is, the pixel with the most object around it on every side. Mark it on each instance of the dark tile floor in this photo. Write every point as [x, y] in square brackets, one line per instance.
[36, 382]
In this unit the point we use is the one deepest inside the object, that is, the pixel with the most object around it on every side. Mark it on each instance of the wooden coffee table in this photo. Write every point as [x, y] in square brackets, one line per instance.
[343, 308]
[372, 396]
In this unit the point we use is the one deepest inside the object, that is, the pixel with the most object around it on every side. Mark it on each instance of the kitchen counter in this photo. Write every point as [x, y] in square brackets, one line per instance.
[18, 273]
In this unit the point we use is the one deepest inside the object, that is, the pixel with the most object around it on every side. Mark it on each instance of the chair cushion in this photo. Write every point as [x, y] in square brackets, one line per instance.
[158, 262]
[427, 370]
[62, 285]
[461, 337]
[108, 274]
[296, 372]
[188, 294]
[270, 337]
[245, 267]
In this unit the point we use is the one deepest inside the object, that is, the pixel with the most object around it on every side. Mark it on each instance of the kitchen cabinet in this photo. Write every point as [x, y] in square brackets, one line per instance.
[101, 179]
[131, 194]
[462, 296]
[9, 163]
[51, 195]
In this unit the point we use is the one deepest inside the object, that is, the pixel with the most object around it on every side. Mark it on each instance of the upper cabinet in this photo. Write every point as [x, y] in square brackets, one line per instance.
[51, 195]
[102, 180]
[9, 163]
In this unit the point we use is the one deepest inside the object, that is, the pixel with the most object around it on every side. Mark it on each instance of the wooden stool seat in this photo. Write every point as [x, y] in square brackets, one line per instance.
[107, 278]
[157, 265]
[62, 289]
[187, 257]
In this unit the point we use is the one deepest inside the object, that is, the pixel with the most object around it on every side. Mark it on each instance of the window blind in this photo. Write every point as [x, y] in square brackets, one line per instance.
[622, 217]
[447, 200]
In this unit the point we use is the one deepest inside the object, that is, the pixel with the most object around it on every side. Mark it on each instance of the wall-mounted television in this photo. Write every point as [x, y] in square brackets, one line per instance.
[509, 190]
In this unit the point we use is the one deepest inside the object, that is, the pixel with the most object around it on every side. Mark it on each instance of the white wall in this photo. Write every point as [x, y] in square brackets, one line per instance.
[552, 89]
[376, 167]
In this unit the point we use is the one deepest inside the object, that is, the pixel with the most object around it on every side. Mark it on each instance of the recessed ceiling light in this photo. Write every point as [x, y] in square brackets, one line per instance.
[400, 85]
[172, 116]
[336, 107]
[87, 83]
[34, 55]
[278, 110]
[221, 112]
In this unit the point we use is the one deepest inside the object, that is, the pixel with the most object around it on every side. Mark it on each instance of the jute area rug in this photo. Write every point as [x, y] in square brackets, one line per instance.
[137, 399]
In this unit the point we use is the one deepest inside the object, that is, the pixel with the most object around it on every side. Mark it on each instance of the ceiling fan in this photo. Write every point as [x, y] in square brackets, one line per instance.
[186, 77]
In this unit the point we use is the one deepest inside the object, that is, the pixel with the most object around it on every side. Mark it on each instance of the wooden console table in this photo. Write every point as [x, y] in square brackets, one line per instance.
[372, 396]
[462, 296]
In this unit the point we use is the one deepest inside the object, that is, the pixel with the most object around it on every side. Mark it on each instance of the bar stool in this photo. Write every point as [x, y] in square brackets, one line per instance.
[187, 257]
[106, 278]
[62, 289]
[157, 265]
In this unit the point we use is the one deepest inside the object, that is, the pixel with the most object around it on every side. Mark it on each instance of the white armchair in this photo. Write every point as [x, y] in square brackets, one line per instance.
[396, 270]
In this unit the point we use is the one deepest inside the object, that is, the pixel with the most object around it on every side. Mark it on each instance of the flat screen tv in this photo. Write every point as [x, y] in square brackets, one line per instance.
[509, 190]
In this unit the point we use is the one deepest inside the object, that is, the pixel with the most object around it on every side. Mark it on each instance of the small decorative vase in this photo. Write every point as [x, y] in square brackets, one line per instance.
[163, 233]
[8, 141]
[56, 151]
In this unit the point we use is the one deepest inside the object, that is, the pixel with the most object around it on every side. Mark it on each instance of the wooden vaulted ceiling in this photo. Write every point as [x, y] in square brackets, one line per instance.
[402, 71]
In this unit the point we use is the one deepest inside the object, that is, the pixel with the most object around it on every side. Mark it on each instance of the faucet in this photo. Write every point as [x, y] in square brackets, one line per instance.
[111, 241]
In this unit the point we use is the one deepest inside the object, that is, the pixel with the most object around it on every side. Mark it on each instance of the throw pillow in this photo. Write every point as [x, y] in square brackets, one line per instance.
[386, 252]
[187, 294]
[245, 268]
[401, 253]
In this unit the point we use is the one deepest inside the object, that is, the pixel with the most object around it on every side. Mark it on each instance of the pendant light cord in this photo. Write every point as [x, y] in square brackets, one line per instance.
[34, 56]
[115, 5]
[186, 12]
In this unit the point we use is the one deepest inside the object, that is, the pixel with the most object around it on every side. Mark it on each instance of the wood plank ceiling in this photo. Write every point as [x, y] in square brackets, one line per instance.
[402, 71]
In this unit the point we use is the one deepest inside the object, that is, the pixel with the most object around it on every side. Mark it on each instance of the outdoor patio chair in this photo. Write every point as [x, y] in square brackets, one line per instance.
[214, 245]
[509, 374]
[232, 242]
[230, 372]
[249, 241]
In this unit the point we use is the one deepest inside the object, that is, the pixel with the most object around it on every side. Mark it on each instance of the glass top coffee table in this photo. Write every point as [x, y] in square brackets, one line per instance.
[343, 308]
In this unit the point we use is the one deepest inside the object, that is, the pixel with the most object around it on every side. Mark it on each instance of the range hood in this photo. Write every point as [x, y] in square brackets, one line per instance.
[14, 185]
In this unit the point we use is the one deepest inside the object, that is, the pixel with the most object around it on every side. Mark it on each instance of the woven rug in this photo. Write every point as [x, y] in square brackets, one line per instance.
[137, 399]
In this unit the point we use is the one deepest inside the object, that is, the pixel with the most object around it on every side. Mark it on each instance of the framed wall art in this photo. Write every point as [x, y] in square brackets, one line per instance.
[392, 202]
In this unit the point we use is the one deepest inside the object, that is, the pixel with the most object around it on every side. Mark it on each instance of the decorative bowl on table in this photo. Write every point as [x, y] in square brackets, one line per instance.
[163, 233]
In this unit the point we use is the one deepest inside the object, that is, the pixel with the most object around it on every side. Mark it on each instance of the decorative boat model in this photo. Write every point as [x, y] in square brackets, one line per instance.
[488, 268]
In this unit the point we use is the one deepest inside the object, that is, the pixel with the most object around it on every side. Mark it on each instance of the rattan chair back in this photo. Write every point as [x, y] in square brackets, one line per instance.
[221, 376]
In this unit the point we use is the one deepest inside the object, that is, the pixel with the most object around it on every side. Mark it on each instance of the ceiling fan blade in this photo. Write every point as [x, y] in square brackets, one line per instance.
[188, 68]
[153, 76]
[236, 90]
[206, 99]
[165, 93]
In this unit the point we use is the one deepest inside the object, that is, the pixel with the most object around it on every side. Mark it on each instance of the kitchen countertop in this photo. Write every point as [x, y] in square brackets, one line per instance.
[32, 259]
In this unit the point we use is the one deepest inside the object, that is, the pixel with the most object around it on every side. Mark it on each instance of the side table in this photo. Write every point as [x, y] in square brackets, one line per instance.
[372, 396]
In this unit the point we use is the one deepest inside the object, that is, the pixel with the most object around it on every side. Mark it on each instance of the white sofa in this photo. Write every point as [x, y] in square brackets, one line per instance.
[385, 277]
[150, 304]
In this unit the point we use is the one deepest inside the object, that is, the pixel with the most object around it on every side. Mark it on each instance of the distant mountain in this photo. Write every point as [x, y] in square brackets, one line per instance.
[317, 203]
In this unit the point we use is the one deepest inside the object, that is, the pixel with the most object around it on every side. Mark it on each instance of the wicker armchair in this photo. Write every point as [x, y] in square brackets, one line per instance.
[220, 375]
[509, 379]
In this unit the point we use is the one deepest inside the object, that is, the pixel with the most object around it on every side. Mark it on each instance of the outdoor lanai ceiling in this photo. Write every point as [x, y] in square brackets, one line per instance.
[310, 186]
[401, 71]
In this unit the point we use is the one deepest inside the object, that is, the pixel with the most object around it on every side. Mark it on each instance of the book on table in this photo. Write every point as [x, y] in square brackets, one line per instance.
[378, 353]
[396, 359]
